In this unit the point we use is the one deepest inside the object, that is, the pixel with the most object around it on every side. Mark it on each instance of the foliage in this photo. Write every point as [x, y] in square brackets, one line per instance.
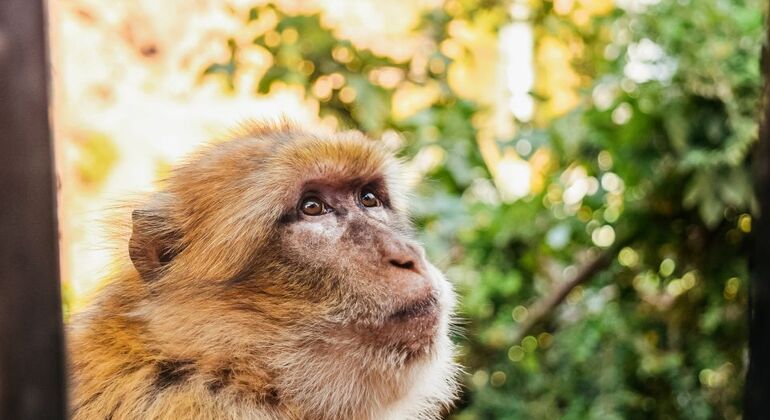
[97, 156]
[650, 166]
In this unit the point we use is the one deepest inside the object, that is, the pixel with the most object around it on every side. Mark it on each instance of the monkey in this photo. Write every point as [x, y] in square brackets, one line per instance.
[274, 275]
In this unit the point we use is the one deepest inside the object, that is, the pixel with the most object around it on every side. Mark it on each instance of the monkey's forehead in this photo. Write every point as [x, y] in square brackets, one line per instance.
[291, 147]
[287, 152]
[334, 157]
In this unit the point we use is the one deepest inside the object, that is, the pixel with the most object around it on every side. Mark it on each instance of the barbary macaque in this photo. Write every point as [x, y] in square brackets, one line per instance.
[274, 276]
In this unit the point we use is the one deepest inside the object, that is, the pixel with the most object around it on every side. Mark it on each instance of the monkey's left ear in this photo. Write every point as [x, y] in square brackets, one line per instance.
[153, 243]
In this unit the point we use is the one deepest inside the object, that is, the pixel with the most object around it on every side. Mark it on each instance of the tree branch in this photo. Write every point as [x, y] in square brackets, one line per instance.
[541, 309]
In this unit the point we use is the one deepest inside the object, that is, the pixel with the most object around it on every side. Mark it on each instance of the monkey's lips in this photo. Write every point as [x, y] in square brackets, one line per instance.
[413, 327]
[425, 307]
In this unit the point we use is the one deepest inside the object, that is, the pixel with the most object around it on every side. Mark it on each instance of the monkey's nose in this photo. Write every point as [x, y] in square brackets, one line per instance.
[403, 256]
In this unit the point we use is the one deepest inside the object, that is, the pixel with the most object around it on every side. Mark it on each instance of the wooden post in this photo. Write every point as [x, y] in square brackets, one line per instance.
[31, 354]
[757, 392]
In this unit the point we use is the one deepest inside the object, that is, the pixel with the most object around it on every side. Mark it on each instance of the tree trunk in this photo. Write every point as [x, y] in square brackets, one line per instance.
[31, 362]
[757, 393]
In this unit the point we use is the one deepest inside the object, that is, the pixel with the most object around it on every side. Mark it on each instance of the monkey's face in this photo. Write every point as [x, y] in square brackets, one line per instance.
[346, 242]
[289, 232]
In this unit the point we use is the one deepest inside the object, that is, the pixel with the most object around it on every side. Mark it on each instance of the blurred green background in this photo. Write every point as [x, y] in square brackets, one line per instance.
[592, 212]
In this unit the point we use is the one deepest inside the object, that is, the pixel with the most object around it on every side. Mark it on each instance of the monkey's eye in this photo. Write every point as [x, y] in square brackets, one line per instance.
[368, 199]
[313, 206]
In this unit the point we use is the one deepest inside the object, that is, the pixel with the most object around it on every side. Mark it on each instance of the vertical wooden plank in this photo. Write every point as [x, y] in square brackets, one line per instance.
[31, 354]
[757, 393]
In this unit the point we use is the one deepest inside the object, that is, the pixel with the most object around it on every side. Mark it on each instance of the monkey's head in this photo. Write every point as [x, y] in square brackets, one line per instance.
[297, 249]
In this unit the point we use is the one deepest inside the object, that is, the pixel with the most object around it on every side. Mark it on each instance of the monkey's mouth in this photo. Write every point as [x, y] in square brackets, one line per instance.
[426, 307]
[410, 328]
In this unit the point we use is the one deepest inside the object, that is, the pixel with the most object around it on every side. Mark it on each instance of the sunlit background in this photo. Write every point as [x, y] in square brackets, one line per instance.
[596, 148]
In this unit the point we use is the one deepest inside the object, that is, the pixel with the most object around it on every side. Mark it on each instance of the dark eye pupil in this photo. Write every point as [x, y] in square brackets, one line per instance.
[368, 199]
[312, 207]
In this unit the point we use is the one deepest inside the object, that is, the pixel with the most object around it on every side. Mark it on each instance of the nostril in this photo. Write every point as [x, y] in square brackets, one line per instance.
[406, 265]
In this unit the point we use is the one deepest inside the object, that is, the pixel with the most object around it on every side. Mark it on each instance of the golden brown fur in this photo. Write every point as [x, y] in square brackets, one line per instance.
[233, 310]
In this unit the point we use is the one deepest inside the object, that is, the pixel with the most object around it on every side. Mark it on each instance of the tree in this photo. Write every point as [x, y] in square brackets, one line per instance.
[31, 353]
[758, 377]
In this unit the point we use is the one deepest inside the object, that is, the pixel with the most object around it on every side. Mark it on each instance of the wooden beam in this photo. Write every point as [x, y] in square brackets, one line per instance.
[31, 353]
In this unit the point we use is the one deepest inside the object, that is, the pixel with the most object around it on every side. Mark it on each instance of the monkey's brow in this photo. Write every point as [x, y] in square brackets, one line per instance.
[376, 183]
[340, 181]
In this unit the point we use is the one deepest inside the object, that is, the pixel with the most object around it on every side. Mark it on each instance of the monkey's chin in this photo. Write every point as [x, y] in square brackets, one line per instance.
[413, 327]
